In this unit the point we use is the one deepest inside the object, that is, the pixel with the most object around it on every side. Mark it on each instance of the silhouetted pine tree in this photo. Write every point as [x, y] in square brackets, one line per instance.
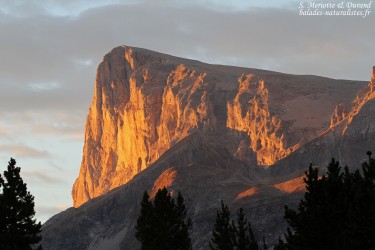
[245, 239]
[161, 224]
[337, 211]
[181, 231]
[18, 229]
[145, 223]
[224, 233]
[253, 242]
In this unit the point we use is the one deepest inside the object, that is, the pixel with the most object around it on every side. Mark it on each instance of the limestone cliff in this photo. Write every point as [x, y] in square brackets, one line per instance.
[249, 112]
[146, 102]
[138, 112]
[206, 131]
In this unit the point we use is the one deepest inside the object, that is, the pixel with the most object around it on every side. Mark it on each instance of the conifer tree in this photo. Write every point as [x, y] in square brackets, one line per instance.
[224, 233]
[164, 219]
[245, 239]
[145, 223]
[18, 228]
[253, 242]
[162, 224]
[337, 211]
[181, 231]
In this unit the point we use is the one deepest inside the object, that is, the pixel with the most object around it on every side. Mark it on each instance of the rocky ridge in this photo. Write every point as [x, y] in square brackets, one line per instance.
[212, 132]
[146, 102]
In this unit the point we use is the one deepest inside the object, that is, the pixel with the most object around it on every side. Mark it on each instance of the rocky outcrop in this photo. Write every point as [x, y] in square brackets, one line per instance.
[345, 113]
[347, 140]
[146, 102]
[249, 112]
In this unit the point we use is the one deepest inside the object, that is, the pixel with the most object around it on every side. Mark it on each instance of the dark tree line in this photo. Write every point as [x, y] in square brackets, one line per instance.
[337, 211]
[162, 224]
[228, 236]
[18, 228]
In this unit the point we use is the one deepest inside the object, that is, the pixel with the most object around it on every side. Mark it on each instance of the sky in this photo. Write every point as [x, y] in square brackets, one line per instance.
[50, 49]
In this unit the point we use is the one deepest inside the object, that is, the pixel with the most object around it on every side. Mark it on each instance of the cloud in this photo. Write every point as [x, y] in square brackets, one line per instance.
[22, 8]
[3, 131]
[44, 86]
[63, 8]
[26, 124]
[67, 131]
[41, 175]
[18, 150]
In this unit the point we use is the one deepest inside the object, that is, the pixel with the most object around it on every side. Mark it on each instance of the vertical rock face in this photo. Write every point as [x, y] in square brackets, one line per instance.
[146, 102]
[249, 112]
[142, 106]
[185, 106]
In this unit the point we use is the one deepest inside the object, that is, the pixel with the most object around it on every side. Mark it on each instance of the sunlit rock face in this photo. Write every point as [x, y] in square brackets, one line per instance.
[249, 112]
[207, 131]
[146, 102]
[345, 113]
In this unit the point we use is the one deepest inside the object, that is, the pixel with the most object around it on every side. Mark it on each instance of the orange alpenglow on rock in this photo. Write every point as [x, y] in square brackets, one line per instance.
[345, 113]
[264, 130]
[146, 102]
[295, 185]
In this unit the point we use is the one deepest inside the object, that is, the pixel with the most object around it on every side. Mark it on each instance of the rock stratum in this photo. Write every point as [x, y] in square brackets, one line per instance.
[214, 133]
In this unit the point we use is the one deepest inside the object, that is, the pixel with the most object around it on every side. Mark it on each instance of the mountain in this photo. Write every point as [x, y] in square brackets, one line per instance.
[146, 102]
[214, 133]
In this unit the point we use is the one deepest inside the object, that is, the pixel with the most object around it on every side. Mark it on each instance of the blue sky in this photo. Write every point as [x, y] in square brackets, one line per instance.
[50, 50]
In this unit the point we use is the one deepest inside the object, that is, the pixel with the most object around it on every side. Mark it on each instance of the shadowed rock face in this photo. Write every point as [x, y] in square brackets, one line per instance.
[146, 102]
[348, 138]
[108, 221]
[207, 131]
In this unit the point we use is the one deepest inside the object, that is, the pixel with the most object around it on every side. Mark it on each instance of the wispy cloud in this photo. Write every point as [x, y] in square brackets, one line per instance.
[44, 176]
[37, 124]
[65, 130]
[18, 150]
[44, 86]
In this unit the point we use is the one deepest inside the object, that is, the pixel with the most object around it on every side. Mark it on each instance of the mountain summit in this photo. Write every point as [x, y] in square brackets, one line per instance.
[211, 132]
[146, 102]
